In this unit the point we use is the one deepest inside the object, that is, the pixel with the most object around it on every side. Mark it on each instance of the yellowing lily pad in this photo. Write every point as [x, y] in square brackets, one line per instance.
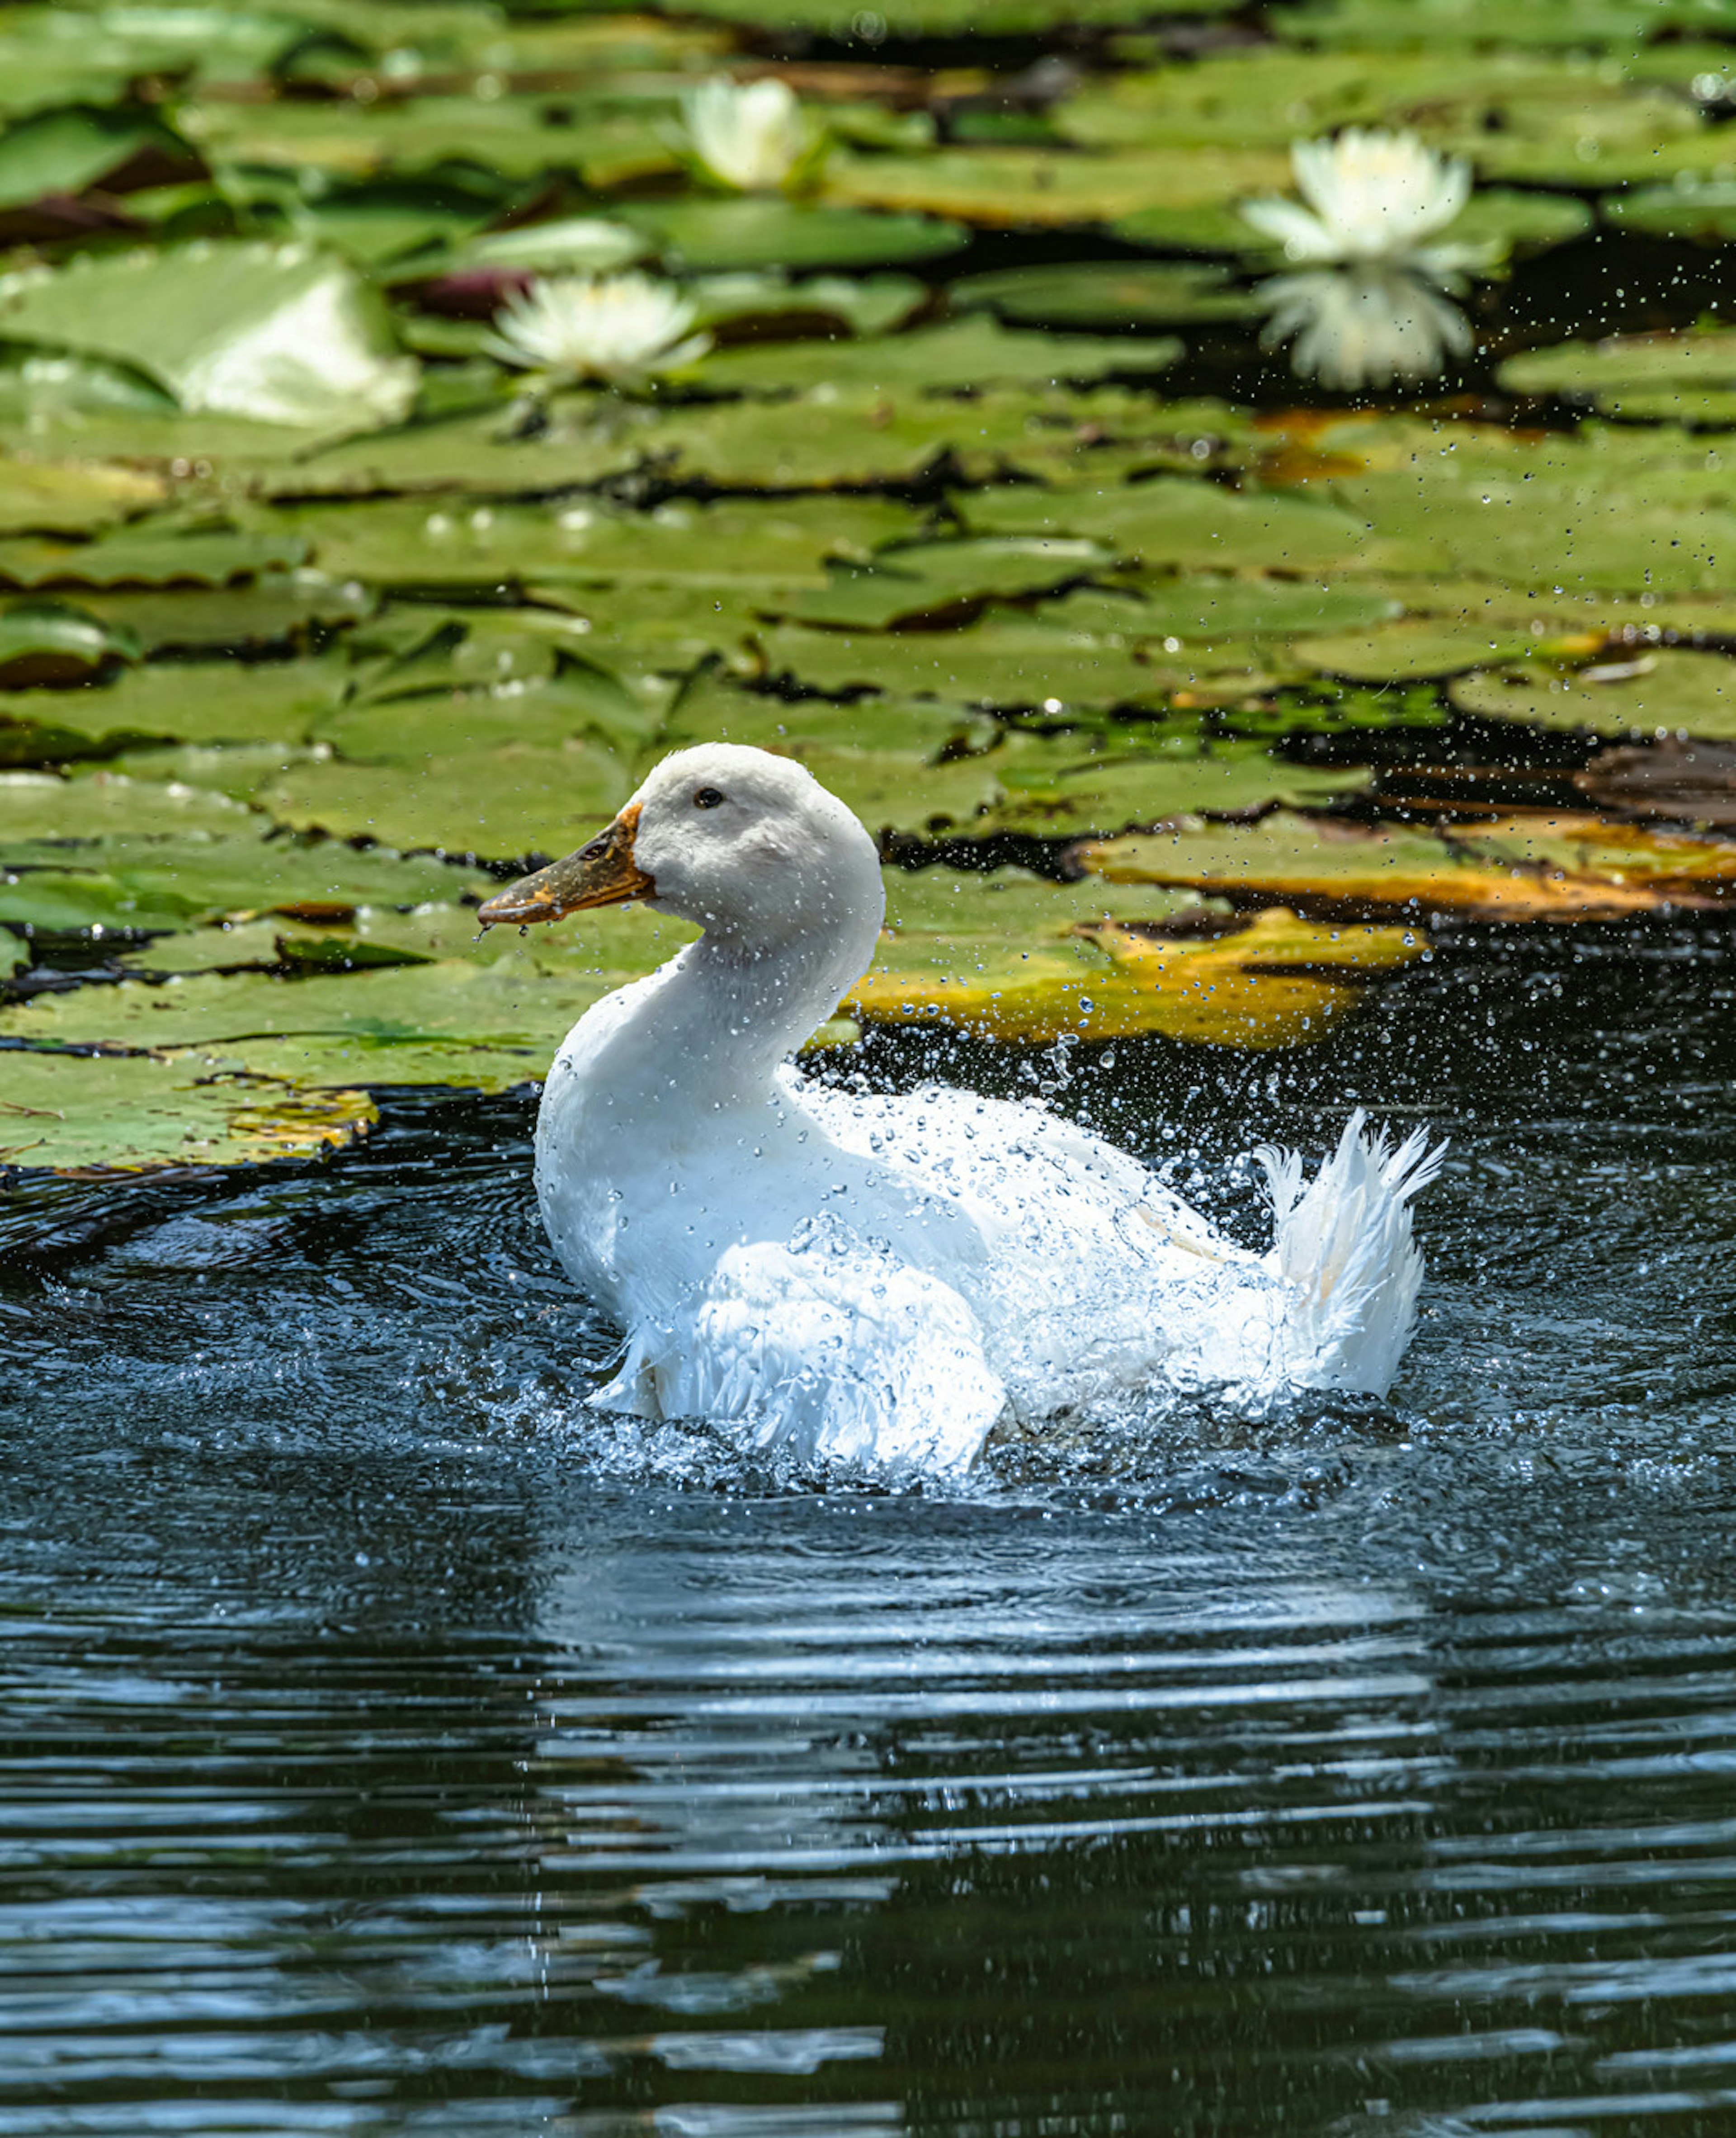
[1077, 966]
[69, 1112]
[1540, 868]
[42, 497]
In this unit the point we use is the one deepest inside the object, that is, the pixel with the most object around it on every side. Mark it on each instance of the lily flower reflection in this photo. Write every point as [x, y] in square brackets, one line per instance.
[1364, 326]
[618, 329]
[1374, 301]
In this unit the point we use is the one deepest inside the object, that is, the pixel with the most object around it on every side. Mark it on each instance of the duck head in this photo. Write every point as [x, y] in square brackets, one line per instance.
[748, 845]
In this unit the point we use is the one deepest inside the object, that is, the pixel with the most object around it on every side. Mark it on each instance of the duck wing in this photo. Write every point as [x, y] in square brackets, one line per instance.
[825, 1345]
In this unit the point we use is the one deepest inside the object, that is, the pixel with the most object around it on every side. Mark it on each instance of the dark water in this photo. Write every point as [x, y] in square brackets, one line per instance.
[390, 1745]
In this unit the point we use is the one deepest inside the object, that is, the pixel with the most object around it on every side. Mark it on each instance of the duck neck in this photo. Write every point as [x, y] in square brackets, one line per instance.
[708, 1033]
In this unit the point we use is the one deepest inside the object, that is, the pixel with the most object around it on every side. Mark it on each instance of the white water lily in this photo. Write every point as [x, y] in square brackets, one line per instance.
[616, 328]
[1365, 325]
[1371, 197]
[750, 135]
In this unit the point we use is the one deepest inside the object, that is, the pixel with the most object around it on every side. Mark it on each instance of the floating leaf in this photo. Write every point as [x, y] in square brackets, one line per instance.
[925, 580]
[1027, 964]
[203, 702]
[274, 334]
[70, 1112]
[1682, 378]
[1700, 207]
[1543, 867]
[69, 150]
[779, 543]
[275, 609]
[970, 354]
[142, 555]
[38, 497]
[1660, 693]
[42, 642]
[1004, 188]
[1105, 293]
[709, 237]
[1170, 521]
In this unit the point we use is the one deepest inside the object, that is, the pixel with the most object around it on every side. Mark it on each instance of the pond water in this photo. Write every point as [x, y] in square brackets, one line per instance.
[391, 1746]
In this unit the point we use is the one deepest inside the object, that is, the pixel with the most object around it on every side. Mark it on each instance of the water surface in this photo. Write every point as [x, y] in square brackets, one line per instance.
[392, 1744]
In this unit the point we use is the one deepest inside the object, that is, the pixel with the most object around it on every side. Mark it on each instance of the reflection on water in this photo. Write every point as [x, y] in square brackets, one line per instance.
[390, 1746]
[1373, 324]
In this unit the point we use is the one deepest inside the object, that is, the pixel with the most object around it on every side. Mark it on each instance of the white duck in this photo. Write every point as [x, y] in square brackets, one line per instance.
[880, 1280]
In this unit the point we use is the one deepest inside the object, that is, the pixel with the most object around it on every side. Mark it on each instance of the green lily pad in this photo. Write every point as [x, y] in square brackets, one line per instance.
[202, 702]
[46, 497]
[80, 146]
[567, 244]
[984, 954]
[276, 609]
[1666, 692]
[164, 881]
[1684, 378]
[1608, 510]
[1701, 208]
[963, 354]
[1003, 660]
[1171, 522]
[865, 304]
[66, 1112]
[702, 236]
[1587, 25]
[1199, 609]
[503, 801]
[782, 542]
[1007, 189]
[143, 555]
[926, 579]
[277, 334]
[42, 642]
[1105, 293]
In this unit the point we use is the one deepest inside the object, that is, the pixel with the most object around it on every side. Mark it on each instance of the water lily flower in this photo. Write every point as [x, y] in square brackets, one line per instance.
[750, 135]
[614, 328]
[1365, 325]
[1371, 197]
[1375, 302]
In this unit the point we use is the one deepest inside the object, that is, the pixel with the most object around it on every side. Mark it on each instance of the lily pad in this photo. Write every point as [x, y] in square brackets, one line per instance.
[277, 334]
[1025, 965]
[1661, 693]
[46, 497]
[1105, 293]
[69, 1112]
[779, 543]
[700, 236]
[1680, 377]
[1007, 189]
[924, 580]
[276, 609]
[1549, 868]
[143, 555]
[1701, 208]
[203, 702]
[42, 642]
[963, 354]
[1170, 522]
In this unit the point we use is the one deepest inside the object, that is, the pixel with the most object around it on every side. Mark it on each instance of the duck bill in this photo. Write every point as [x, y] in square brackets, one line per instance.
[602, 872]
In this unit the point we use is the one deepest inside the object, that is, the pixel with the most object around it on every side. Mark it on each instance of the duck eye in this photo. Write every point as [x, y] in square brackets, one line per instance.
[708, 798]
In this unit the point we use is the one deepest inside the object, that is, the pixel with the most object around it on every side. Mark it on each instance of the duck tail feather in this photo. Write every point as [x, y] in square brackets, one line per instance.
[1344, 1250]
